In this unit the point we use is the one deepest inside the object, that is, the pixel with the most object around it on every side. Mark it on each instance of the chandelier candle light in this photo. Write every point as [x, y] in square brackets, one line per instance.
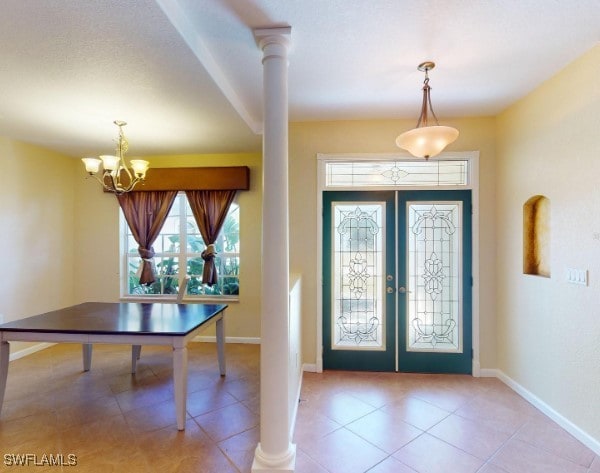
[115, 176]
[427, 140]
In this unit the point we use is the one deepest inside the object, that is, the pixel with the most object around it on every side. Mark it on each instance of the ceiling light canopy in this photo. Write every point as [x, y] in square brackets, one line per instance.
[425, 140]
[115, 175]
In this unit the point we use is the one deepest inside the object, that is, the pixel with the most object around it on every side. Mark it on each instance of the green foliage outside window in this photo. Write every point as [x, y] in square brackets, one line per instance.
[167, 263]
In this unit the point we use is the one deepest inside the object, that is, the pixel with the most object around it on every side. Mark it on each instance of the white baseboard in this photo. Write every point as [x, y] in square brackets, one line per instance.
[565, 423]
[28, 351]
[296, 405]
[309, 367]
[489, 373]
[213, 339]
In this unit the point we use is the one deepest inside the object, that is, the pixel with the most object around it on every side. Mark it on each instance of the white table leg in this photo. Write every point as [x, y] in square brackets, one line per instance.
[220, 328]
[136, 350]
[180, 384]
[87, 356]
[4, 356]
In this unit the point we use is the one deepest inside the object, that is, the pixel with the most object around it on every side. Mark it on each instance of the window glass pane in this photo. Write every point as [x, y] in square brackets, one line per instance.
[167, 266]
[191, 225]
[230, 232]
[162, 286]
[167, 243]
[230, 285]
[132, 245]
[167, 278]
[172, 221]
[434, 321]
[195, 244]
[357, 312]
[195, 266]
[397, 173]
[180, 242]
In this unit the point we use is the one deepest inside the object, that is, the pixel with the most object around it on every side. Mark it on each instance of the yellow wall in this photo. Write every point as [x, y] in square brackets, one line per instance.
[378, 136]
[97, 213]
[37, 230]
[549, 330]
[61, 244]
[97, 256]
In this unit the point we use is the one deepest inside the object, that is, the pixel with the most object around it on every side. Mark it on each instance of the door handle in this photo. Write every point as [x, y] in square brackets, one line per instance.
[390, 290]
[402, 290]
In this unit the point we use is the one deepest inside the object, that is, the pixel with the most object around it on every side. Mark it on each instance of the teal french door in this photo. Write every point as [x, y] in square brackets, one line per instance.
[358, 257]
[397, 281]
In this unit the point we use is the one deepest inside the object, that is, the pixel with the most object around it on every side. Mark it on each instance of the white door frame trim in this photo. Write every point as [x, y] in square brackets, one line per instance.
[473, 184]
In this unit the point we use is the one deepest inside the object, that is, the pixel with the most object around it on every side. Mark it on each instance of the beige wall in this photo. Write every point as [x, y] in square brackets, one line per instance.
[37, 230]
[549, 330]
[98, 268]
[378, 136]
[58, 232]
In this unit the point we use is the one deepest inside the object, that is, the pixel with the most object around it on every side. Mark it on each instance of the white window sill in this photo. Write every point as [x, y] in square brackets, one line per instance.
[186, 300]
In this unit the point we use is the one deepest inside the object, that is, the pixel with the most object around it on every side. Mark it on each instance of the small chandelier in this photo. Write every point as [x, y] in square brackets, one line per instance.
[425, 140]
[115, 176]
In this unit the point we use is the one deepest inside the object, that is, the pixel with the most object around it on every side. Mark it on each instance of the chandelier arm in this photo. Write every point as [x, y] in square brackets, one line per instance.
[110, 188]
[101, 181]
[131, 185]
[131, 178]
[115, 182]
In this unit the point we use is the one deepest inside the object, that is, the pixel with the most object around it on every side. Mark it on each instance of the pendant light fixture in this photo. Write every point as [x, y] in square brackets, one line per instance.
[113, 172]
[427, 140]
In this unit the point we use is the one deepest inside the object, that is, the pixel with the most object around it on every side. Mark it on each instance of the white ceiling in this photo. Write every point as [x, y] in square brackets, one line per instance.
[187, 76]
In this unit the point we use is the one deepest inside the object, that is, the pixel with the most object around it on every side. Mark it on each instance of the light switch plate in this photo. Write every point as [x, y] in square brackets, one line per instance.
[577, 276]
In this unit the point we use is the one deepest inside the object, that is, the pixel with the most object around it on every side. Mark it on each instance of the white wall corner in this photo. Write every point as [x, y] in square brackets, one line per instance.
[489, 373]
[309, 367]
[476, 368]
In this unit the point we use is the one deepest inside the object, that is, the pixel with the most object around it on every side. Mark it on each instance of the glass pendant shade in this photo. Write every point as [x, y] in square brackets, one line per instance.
[139, 167]
[92, 165]
[109, 162]
[427, 141]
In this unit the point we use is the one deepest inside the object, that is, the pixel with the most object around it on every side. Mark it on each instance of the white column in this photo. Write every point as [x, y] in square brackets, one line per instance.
[275, 452]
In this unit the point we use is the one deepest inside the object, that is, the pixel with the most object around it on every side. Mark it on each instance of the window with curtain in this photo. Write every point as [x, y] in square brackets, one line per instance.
[178, 250]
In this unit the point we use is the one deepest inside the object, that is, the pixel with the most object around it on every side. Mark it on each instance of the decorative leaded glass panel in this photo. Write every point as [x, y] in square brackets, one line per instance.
[397, 173]
[357, 314]
[434, 277]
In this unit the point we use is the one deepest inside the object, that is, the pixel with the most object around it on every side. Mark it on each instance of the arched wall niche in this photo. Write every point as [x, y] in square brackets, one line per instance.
[536, 236]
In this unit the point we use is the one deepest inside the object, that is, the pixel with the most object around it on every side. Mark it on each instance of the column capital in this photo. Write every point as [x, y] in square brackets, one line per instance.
[279, 36]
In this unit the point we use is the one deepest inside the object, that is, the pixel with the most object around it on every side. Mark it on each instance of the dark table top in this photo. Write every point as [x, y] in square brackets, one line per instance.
[120, 318]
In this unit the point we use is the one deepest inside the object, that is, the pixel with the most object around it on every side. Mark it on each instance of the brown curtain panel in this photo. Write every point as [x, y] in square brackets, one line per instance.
[210, 209]
[146, 213]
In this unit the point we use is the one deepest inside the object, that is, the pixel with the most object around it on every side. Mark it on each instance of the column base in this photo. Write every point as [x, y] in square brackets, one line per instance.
[285, 463]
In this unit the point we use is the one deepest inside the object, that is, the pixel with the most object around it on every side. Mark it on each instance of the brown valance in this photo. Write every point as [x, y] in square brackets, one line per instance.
[201, 178]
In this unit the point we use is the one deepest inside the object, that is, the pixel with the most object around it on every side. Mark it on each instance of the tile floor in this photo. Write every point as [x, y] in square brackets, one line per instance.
[407, 423]
[347, 422]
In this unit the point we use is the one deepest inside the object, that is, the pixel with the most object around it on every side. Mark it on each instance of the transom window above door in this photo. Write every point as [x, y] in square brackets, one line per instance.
[409, 173]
